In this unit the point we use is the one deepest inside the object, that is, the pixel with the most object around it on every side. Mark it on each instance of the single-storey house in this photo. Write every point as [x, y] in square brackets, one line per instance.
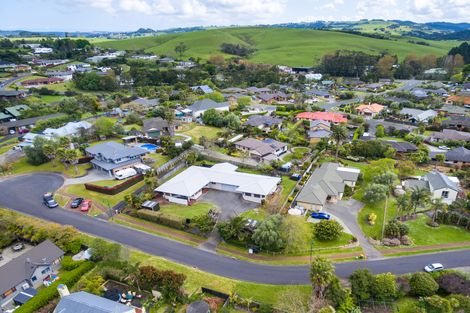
[326, 184]
[84, 302]
[449, 135]
[260, 108]
[418, 116]
[270, 98]
[70, 129]
[148, 103]
[11, 94]
[257, 90]
[29, 269]
[12, 113]
[459, 155]
[188, 186]
[203, 89]
[28, 139]
[157, 127]
[199, 107]
[401, 146]
[458, 100]
[458, 122]
[112, 156]
[370, 110]
[320, 125]
[41, 81]
[6, 127]
[263, 122]
[263, 150]
[453, 110]
[334, 118]
[438, 184]
[66, 76]
[316, 135]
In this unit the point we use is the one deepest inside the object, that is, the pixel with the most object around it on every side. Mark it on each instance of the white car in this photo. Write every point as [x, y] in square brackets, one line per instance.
[443, 147]
[433, 267]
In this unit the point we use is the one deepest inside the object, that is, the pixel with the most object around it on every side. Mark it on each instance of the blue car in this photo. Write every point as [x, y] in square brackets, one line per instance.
[320, 215]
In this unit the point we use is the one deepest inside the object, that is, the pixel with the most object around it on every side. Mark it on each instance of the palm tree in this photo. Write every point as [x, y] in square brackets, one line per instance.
[403, 204]
[419, 196]
[438, 205]
[132, 274]
[71, 157]
[50, 152]
[339, 134]
[60, 154]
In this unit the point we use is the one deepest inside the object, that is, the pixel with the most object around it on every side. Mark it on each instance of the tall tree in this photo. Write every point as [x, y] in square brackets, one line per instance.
[339, 134]
[438, 206]
[181, 48]
[419, 196]
[322, 272]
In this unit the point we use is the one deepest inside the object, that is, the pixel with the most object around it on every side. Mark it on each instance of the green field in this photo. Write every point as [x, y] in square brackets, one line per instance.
[294, 47]
[425, 235]
[185, 211]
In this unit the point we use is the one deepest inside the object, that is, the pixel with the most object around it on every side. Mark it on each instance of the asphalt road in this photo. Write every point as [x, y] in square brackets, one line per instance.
[24, 193]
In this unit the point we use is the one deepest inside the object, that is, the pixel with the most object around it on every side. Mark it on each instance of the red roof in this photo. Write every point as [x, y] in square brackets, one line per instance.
[326, 116]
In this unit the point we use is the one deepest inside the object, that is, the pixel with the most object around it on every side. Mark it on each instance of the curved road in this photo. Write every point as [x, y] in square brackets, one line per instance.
[24, 194]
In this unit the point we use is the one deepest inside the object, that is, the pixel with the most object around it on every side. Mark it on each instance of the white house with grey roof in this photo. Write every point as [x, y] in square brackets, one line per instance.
[263, 150]
[29, 269]
[438, 184]
[418, 116]
[84, 302]
[326, 184]
[112, 156]
[188, 186]
[69, 129]
[199, 107]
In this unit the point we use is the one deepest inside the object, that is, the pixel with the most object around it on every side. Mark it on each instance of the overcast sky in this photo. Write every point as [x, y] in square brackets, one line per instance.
[125, 15]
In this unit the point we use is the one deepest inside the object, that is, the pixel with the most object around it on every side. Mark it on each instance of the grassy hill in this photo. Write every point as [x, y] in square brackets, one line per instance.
[294, 47]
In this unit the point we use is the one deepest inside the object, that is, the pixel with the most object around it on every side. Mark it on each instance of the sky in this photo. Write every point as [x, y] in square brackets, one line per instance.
[129, 15]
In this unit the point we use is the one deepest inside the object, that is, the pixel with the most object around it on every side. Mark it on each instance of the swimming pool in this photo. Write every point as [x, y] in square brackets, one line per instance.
[149, 147]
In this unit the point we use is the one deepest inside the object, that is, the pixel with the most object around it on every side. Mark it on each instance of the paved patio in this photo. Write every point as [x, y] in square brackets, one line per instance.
[230, 204]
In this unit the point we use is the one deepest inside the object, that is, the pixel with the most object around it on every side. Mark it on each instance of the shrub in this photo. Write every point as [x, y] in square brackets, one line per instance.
[371, 218]
[160, 218]
[44, 296]
[361, 284]
[436, 304]
[203, 222]
[328, 230]
[384, 286]
[68, 264]
[117, 188]
[454, 283]
[396, 229]
[423, 285]
[375, 192]
[463, 303]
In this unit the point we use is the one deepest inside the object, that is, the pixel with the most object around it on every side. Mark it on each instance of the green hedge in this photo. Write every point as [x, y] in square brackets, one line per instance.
[117, 188]
[161, 218]
[46, 295]
[68, 264]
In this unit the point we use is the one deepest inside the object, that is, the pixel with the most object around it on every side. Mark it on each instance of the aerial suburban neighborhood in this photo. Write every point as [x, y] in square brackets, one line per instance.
[266, 166]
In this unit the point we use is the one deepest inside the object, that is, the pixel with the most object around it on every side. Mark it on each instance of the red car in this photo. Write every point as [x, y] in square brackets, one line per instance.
[86, 206]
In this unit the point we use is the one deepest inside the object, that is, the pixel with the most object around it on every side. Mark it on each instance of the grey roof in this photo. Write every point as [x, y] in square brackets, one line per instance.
[258, 120]
[112, 150]
[438, 180]
[146, 102]
[198, 307]
[401, 146]
[326, 180]
[270, 96]
[450, 134]
[156, 123]
[84, 302]
[419, 115]
[460, 154]
[203, 88]
[316, 92]
[10, 93]
[263, 148]
[108, 166]
[18, 270]
[321, 133]
[30, 121]
[315, 123]
[454, 109]
[455, 121]
[416, 183]
[206, 104]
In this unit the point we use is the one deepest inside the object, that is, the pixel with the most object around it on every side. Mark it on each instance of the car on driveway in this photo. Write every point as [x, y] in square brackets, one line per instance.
[86, 206]
[433, 267]
[49, 201]
[17, 247]
[76, 203]
[320, 215]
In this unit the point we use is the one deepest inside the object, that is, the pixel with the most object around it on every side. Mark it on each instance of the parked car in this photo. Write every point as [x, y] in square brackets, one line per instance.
[49, 201]
[76, 203]
[433, 267]
[86, 206]
[296, 177]
[443, 147]
[125, 173]
[320, 215]
[17, 247]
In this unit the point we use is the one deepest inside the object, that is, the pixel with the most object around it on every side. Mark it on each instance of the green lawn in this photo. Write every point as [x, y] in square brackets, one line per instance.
[255, 214]
[343, 240]
[425, 235]
[293, 47]
[159, 159]
[197, 131]
[108, 183]
[287, 186]
[107, 140]
[22, 166]
[132, 126]
[106, 200]
[186, 211]
[50, 99]
[7, 145]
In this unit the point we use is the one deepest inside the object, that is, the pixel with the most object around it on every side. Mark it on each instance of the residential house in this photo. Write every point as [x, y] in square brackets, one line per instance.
[438, 184]
[418, 116]
[270, 98]
[419, 93]
[11, 94]
[449, 135]
[458, 100]
[48, 63]
[84, 302]
[166, 60]
[42, 50]
[203, 89]
[147, 103]
[144, 57]
[369, 110]
[319, 129]
[29, 269]
[453, 110]
[263, 150]
[12, 113]
[317, 93]
[326, 185]
[157, 127]
[401, 146]
[112, 156]
[69, 130]
[256, 90]
[187, 187]
[263, 122]
[335, 118]
[41, 81]
[15, 126]
[313, 76]
[458, 156]
[65, 76]
[259, 108]
[458, 122]
[28, 139]
[184, 115]
[234, 90]
[199, 107]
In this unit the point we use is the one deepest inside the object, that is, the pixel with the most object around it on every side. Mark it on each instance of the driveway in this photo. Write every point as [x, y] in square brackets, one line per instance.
[91, 176]
[23, 194]
[230, 204]
[347, 211]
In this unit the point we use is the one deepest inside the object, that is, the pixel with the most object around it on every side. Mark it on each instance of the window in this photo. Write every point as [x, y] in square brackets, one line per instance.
[46, 270]
[445, 194]
[34, 278]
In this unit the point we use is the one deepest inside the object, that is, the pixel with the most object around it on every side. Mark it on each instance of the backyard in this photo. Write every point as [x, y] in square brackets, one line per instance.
[22, 166]
[197, 131]
[186, 211]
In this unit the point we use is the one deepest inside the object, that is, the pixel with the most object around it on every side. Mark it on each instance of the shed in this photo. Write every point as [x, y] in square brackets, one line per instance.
[151, 205]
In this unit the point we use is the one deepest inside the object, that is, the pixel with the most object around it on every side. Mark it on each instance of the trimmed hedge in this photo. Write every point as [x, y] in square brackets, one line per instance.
[160, 218]
[68, 264]
[45, 295]
[117, 188]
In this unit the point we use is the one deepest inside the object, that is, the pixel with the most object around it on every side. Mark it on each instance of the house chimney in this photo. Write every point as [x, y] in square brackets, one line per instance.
[63, 290]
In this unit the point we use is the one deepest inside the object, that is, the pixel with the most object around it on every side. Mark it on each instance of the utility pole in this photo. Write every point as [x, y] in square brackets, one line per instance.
[385, 217]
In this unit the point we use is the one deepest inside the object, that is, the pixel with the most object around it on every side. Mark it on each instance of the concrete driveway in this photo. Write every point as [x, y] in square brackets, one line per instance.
[230, 204]
[347, 211]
